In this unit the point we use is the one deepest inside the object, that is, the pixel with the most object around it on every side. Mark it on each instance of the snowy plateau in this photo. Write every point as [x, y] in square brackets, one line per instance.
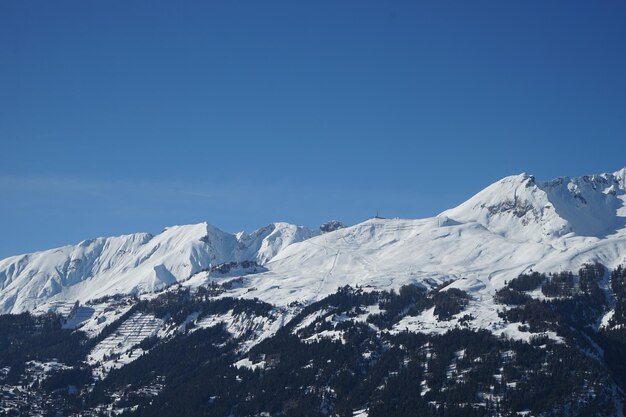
[128, 299]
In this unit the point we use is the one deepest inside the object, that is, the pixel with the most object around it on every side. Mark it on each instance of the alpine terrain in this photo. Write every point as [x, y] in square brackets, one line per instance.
[510, 304]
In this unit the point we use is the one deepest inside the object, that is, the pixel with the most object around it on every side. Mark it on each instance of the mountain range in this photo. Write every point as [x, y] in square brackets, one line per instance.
[514, 225]
[511, 304]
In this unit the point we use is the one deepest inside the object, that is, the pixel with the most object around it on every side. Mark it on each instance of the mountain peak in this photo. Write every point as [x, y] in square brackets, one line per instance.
[331, 226]
[620, 175]
[519, 207]
[134, 263]
[522, 208]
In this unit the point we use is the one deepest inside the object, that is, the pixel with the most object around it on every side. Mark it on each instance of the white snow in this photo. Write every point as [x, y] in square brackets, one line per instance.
[132, 263]
[247, 363]
[242, 324]
[512, 226]
[122, 342]
[606, 319]
[326, 334]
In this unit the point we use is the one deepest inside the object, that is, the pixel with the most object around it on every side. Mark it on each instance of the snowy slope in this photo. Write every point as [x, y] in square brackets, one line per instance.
[133, 263]
[523, 209]
[264, 244]
[512, 226]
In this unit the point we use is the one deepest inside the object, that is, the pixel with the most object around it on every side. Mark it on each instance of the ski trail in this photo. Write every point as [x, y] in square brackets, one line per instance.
[327, 275]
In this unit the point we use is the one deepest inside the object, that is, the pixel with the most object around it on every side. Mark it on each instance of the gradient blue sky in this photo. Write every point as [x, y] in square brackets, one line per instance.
[125, 116]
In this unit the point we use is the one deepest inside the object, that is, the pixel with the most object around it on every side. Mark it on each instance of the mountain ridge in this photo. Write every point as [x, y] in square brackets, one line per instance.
[512, 225]
[497, 307]
[134, 263]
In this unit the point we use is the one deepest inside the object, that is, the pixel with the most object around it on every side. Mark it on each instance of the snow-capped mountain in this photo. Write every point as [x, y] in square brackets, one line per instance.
[523, 209]
[136, 263]
[513, 225]
[512, 303]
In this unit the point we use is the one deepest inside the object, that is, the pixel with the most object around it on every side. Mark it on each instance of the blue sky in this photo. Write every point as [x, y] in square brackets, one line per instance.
[118, 117]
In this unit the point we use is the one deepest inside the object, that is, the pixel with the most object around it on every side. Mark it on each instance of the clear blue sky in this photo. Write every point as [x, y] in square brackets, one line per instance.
[124, 116]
